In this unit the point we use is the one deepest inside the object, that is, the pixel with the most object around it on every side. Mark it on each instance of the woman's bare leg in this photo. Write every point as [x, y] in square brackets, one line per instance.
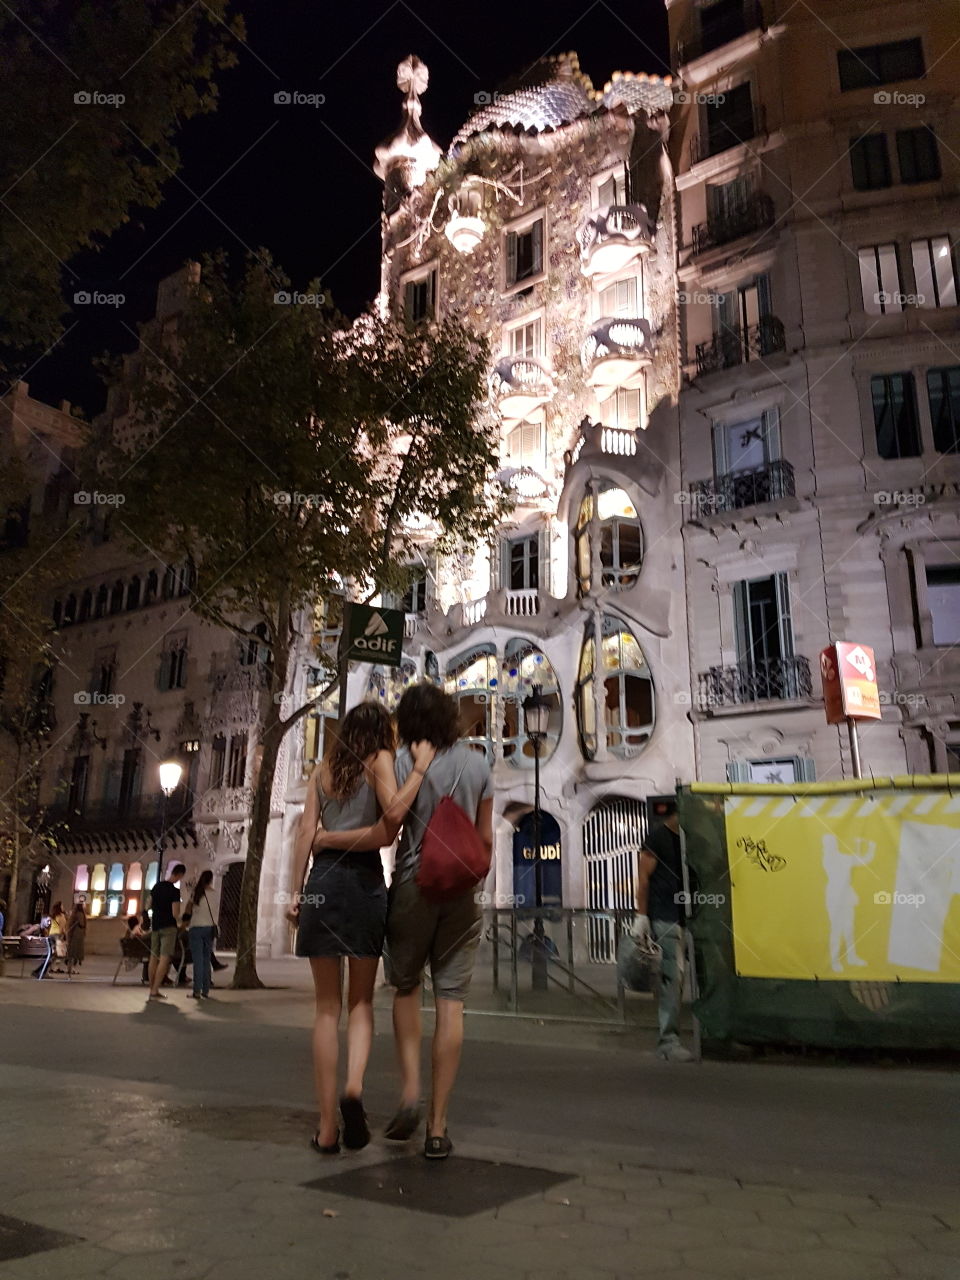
[327, 980]
[363, 975]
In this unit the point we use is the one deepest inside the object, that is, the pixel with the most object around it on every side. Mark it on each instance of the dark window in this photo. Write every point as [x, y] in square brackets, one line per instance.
[129, 781]
[524, 564]
[116, 597]
[943, 599]
[874, 64]
[420, 298]
[237, 766]
[525, 253]
[724, 21]
[918, 154]
[415, 597]
[103, 677]
[218, 760]
[57, 611]
[730, 121]
[943, 388]
[895, 415]
[78, 784]
[186, 579]
[870, 162]
[255, 649]
[133, 593]
[86, 605]
[173, 668]
[170, 582]
[150, 591]
[762, 615]
[100, 608]
[70, 610]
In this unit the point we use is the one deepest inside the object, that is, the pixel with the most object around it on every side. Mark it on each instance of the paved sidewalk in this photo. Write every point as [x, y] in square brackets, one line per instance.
[170, 1140]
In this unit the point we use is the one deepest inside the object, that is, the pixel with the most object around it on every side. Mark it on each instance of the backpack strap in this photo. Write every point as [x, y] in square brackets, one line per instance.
[459, 776]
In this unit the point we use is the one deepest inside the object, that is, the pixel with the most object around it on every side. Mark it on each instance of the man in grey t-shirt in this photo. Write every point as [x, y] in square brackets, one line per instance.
[446, 933]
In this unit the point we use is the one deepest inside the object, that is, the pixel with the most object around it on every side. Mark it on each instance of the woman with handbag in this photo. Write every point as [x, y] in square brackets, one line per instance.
[341, 911]
[201, 931]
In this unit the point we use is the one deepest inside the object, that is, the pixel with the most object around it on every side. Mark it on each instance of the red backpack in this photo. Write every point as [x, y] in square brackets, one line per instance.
[453, 858]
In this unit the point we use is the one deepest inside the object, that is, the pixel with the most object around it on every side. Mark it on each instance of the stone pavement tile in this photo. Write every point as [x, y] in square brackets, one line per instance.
[753, 1200]
[728, 1260]
[167, 1265]
[541, 1213]
[666, 1198]
[582, 1194]
[576, 1273]
[838, 1201]
[74, 1260]
[584, 1235]
[706, 1215]
[696, 1181]
[827, 1264]
[772, 1237]
[528, 1255]
[674, 1235]
[804, 1219]
[870, 1240]
[947, 1242]
[919, 1223]
[623, 1180]
[923, 1265]
[632, 1258]
[631, 1216]
[939, 1202]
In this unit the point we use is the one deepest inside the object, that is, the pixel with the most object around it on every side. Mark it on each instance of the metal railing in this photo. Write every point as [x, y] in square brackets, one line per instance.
[732, 347]
[720, 134]
[737, 489]
[769, 680]
[738, 22]
[755, 213]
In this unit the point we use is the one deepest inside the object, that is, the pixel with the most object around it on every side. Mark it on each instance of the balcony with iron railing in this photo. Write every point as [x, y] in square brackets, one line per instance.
[721, 134]
[735, 490]
[745, 683]
[519, 386]
[615, 353]
[736, 21]
[611, 237]
[732, 347]
[755, 214]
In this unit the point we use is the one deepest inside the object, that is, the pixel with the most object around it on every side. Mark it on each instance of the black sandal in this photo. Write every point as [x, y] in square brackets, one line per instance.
[403, 1125]
[356, 1131]
[437, 1148]
[332, 1150]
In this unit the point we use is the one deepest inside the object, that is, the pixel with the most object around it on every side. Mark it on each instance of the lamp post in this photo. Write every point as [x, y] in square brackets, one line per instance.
[536, 717]
[170, 773]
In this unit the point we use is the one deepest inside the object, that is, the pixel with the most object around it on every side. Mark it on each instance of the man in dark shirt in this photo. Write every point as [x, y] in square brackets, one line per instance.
[164, 913]
[660, 903]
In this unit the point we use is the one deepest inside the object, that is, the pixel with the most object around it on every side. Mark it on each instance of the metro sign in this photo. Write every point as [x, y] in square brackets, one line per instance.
[849, 675]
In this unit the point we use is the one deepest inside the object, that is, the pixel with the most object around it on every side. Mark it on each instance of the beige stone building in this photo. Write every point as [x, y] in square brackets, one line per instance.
[818, 156]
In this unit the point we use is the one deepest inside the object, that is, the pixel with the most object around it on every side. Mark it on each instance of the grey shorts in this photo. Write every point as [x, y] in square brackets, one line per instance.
[445, 933]
[163, 942]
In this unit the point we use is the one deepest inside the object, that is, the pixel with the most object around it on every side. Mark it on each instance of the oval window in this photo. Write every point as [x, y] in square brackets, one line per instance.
[524, 665]
[627, 691]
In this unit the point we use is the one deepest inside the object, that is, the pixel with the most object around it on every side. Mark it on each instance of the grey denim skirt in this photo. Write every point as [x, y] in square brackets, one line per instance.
[344, 907]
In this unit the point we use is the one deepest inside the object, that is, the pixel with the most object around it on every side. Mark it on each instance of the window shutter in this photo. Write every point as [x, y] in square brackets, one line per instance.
[511, 247]
[783, 609]
[111, 785]
[771, 432]
[738, 771]
[409, 299]
[741, 621]
[543, 557]
[720, 453]
[806, 769]
[496, 564]
[536, 232]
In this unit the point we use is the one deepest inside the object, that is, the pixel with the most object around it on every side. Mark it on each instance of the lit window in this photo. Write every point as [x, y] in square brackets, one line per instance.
[620, 536]
[98, 882]
[523, 446]
[134, 877]
[880, 279]
[612, 190]
[935, 272]
[618, 299]
[524, 665]
[115, 882]
[628, 701]
[623, 409]
[943, 599]
[81, 880]
[420, 297]
[472, 681]
[525, 340]
[133, 906]
[153, 872]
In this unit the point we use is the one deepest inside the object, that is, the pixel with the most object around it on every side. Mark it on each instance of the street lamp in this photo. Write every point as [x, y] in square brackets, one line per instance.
[536, 717]
[170, 772]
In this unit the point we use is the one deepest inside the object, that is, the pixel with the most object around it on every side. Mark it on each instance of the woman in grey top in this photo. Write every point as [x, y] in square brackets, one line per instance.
[341, 911]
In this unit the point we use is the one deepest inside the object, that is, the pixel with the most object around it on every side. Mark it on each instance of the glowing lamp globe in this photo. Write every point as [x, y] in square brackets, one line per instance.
[464, 232]
[170, 773]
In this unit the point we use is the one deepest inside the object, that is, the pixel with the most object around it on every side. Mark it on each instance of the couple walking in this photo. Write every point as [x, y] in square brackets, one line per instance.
[358, 799]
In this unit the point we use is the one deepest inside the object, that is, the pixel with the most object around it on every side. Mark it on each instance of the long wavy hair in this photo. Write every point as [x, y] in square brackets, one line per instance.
[366, 729]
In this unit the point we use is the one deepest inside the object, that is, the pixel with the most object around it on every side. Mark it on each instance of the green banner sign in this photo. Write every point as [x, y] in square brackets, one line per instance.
[373, 635]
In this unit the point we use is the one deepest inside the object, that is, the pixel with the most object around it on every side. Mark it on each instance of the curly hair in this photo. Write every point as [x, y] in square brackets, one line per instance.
[426, 712]
[366, 729]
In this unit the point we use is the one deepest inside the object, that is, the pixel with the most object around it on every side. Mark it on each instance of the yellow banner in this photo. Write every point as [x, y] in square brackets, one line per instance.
[857, 887]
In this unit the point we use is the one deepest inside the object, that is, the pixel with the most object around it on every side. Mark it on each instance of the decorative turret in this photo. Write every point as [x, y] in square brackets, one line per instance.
[405, 159]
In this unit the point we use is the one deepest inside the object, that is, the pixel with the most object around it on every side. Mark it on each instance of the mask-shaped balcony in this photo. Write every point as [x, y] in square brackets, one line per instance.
[615, 354]
[612, 237]
[519, 386]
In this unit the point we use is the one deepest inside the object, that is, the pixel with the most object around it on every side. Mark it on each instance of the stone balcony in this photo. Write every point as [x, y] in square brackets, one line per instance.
[615, 353]
[519, 386]
[613, 236]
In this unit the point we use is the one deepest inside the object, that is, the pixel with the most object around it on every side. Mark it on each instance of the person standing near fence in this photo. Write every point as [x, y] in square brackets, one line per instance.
[202, 930]
[661, 916]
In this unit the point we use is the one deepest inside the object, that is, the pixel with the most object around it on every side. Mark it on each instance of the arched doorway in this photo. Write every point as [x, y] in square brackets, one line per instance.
[228, 920]
[525, 878]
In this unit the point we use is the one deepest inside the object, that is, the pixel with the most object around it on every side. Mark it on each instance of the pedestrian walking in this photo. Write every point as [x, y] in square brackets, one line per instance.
[58, 935]
[661, 916]
[341, 911]
[444, 933]
[201, 931]
[41, 929]
[76, 938]
[164, 914]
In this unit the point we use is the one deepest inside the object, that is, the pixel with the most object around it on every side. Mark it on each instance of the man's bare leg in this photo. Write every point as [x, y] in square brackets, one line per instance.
[447, 1047]
[159, 965]
[406, 1030]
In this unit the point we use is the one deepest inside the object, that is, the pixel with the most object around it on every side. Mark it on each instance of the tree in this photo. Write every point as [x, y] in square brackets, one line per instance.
[92, 95]
[282, 452]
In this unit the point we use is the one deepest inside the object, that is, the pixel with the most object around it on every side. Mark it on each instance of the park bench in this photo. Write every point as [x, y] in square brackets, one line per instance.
[133, 952]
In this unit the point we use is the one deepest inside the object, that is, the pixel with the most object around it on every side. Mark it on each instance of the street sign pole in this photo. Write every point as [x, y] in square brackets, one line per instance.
[854, 747]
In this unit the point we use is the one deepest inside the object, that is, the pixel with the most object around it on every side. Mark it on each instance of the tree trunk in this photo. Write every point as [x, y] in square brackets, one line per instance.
[245, 973]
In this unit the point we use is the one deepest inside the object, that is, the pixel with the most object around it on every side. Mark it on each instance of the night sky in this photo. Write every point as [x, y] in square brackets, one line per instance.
[297, 179]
